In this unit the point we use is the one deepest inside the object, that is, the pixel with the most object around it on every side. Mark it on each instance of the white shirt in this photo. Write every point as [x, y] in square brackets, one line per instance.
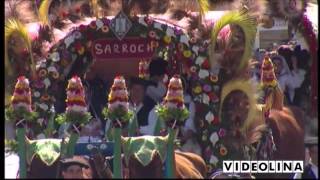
[189, 124]
[156, 93]
[152, 121]
[291, 82]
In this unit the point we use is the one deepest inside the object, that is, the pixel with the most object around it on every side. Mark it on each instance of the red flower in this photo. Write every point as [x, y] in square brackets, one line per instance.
[206, 64]
[179, 104]
[93, 24]
[78, 46]
[148, 20]
[64, 14]
[82, 27]
[213, 97]
[78, 10]
[215, 120]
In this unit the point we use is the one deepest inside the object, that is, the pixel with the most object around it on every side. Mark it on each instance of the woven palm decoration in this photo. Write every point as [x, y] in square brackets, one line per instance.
[247, 24]
[15, 26]
[247, 88]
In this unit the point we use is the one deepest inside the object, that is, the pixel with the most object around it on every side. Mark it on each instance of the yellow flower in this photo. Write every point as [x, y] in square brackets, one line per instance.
[105, 29]
[167, 39]
[45, 97]
[55, 75]
[197, 89]
[223, 151]
[81, 50]
[214, 78]
[187, 53]
[42, 72]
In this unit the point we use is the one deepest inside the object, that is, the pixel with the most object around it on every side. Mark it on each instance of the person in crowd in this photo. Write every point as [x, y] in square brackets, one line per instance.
[92, 131]
[298, 60]
[288, 80]
[155, 91]
[97, 89]
[311, 143]
[137, 88]
[72, 168]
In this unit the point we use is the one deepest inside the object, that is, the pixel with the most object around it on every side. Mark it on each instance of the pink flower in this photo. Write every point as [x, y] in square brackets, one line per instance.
[152, 34]
[222, 132]
[207, 88]
[39, 84]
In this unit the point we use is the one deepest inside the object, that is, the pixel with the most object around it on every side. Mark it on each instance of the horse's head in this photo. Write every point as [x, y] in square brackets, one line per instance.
[145, 155]
[152, 170]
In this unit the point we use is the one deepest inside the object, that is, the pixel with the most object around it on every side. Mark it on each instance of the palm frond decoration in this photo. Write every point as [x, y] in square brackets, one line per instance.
[15, 26]
[95, 8]
[247, 88]
[44, 12]
[203, 8]
[246, 23]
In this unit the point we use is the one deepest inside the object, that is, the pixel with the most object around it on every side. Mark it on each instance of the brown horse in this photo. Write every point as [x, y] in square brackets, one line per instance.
[188, 165]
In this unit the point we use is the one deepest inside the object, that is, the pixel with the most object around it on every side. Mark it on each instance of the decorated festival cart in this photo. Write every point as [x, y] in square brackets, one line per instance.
[232, 123]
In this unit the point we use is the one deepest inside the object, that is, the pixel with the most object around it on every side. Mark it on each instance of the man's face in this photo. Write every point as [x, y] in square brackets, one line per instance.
[137, 93]
[73, 172]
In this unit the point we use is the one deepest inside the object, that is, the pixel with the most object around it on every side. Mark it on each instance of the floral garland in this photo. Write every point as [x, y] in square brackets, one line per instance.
[309, 35]
[190, 51]
[76, 47]
[291, 9]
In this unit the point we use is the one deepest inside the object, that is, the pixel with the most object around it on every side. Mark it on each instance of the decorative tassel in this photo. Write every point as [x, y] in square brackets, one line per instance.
[170, 162]
[157, 128]
[117, 154]
[22, 152]
[71, 145]
[133, 125]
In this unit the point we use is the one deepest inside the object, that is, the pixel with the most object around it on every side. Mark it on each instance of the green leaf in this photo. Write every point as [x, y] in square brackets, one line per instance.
[168, 114]
[74, 118]
[20, 113]
[118, 114]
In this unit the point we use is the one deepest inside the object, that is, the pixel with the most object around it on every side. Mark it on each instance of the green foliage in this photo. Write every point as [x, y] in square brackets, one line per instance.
[118, 113]
[168, 114]
[74, 118]
[20, 113]
[12, 145]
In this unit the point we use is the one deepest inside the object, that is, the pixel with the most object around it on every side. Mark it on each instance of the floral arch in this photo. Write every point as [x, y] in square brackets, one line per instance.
[72, 56]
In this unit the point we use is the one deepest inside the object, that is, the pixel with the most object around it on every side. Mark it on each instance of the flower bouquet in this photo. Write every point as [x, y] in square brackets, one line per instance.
[172, 110]
[118, 112]
[76, 111]
[20, 108]
[118, 107]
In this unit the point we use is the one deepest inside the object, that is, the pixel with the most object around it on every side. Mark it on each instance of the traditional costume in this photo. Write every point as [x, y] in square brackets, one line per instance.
[311, 170]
